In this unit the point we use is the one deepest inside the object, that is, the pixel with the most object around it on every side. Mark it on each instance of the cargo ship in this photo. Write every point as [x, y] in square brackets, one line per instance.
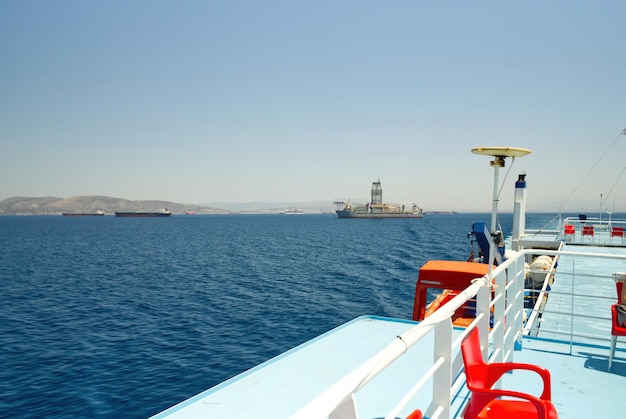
[139, 214]
[83, 214]
[292, 212]
[376, 208]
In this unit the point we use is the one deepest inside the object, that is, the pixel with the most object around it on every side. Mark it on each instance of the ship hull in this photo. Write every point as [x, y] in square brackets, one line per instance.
[352, 214]
[142, 214]
[69, 214]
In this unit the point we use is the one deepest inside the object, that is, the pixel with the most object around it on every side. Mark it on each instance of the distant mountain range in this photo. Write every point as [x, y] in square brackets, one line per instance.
[88, 204]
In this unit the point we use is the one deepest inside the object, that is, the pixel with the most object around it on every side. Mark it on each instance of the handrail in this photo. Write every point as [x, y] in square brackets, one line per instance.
[576, 274]
[602, 228]
[335, 396]
[543, 292]
[338, 400]
[499, 301]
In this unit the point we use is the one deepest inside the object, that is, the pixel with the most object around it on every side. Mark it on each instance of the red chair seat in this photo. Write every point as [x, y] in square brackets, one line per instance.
[588, 231]
[617, 232]
[514, 409]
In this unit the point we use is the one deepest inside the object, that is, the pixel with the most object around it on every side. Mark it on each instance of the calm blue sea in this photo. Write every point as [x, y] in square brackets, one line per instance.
[122, 317]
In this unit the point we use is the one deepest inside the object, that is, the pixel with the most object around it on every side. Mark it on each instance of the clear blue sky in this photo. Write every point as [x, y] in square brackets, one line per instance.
[236, 101]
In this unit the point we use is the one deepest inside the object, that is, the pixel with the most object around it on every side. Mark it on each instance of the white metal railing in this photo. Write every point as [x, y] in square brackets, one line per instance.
[540, 296]
[506, 307]
[500, 319]
[602, 231]
[587, 312]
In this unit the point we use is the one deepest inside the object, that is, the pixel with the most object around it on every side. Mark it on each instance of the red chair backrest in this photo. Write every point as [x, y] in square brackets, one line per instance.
[588, 230]
[475, 367]
[480, 378]
[569, 229]
[617, 231]
[416, 414]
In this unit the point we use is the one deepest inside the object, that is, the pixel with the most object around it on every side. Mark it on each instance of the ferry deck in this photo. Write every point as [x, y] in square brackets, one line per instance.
[581, 385]
[573, 342]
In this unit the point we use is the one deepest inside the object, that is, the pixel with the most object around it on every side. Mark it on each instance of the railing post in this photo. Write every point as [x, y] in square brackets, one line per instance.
[498, 315]
[571, 328]
[345, 410]
[483, 298]
[442, 379]
[518, 301]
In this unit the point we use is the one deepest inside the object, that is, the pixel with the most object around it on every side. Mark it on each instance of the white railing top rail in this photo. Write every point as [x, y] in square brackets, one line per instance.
[601, 232]
[334, 396]
[604, 220]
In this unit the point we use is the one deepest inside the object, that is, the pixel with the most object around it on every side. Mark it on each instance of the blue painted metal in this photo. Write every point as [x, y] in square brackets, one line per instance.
[483, 238]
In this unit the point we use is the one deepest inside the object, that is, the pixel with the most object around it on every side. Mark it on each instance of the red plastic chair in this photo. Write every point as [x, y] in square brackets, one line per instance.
[588, 231]
[616, 330]
[569, 230]
[416, 414]
[486, 402]
[617, 232]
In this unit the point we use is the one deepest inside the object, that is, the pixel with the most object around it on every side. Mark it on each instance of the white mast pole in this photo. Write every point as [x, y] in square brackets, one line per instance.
[497, 163]
[499, 154]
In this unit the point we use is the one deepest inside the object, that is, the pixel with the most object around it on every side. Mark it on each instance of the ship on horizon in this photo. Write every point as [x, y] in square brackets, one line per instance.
[83, 214]
[296, 211]
[376, 208]
[141, 214]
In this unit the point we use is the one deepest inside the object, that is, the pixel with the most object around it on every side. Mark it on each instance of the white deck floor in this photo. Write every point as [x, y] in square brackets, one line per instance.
[282, 385]
[581, 385]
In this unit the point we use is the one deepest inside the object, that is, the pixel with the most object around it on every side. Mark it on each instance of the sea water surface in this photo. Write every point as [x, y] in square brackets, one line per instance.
[125, 317]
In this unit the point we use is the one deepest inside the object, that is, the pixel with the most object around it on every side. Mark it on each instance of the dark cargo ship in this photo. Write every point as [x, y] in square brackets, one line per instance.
[83, 214]
[141, 214]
